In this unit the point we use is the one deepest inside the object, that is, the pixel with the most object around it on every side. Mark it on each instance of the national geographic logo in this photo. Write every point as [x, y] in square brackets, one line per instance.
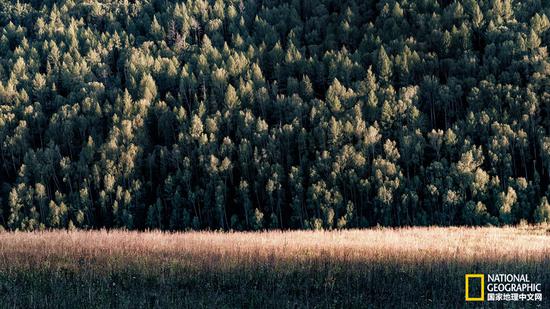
[481, 286]
[501, 287]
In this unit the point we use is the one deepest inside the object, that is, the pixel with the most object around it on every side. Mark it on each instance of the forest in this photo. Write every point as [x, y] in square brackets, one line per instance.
[271, 114]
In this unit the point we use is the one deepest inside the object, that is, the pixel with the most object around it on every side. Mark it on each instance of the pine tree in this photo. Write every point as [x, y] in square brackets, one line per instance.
[383, 65]
[542, 213]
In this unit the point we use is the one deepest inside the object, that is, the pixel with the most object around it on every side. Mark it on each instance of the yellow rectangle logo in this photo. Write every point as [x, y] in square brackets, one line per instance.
[467, 287]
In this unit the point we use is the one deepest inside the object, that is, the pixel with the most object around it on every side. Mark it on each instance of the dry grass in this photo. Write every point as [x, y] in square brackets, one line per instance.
[419, 267]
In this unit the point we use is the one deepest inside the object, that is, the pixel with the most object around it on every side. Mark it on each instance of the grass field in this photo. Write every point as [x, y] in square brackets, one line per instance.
[381, 268]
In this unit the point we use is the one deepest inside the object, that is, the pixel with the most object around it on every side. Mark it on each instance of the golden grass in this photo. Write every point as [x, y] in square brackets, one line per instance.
[435, 243]
[281, 263]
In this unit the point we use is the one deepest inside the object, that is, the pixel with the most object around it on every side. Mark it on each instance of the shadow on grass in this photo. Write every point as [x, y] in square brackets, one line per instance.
[315, 283]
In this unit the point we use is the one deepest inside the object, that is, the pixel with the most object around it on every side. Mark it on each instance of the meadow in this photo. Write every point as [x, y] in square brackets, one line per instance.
[376, 268]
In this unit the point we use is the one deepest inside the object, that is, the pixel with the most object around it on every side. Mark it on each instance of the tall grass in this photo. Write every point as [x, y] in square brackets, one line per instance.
[384, 268]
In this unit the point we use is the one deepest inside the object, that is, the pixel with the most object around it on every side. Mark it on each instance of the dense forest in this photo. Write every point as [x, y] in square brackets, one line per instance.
[255, 114]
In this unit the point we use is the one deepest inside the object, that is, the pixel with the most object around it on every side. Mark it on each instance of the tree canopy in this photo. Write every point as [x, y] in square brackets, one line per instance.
[254, 114]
